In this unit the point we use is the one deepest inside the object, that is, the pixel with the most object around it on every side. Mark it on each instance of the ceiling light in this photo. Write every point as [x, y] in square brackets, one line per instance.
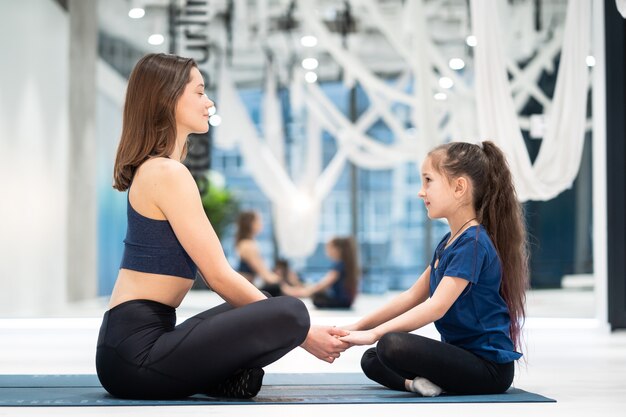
[215, 120]
[212, 110]
[308, 41]
[136, 13]
[440, 96]
[310, 77]
[445, 82]
[309, 63]
[471, 40]
[456, 63]
[590, 60]
[156, 39]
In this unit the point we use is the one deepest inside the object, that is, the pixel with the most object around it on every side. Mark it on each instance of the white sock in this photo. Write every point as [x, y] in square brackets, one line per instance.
[425, 387]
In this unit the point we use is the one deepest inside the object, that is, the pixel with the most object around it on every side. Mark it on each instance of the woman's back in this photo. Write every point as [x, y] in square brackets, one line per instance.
[155, 265]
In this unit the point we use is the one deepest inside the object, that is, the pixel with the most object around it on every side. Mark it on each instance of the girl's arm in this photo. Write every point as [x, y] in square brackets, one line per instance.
[329, 279]
[249, 252]
[176, 195]
[449, 289]
[415, 295]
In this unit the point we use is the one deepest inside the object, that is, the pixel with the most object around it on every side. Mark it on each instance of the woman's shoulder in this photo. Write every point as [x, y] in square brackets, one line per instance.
[246, 245]
[161, 166]
[163, 172]
[163, 180]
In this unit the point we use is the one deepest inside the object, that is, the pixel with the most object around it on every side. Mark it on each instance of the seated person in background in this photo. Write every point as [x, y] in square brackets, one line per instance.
[338, 288]
[251, 264]
[286, 274]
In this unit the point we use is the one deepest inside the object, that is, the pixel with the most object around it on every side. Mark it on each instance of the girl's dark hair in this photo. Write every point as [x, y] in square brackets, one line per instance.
[245, 224]
[149, 124]
[500, 213]
[282, 264]
[348, 254]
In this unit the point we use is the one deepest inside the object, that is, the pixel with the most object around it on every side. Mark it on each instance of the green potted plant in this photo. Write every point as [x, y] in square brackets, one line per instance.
[220, 205]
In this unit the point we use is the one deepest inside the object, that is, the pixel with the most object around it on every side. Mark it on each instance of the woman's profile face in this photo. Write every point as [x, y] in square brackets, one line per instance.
[192, 108]
[257, 224]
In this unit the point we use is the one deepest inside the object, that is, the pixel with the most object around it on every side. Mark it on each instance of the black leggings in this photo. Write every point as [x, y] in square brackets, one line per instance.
[400, 356]
[142, 354]
[323, 300]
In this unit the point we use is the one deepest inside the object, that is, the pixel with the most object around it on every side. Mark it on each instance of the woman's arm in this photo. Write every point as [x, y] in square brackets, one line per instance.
[249, 252]
[329, 279]
[415, 295]
[176, 194]
[449, 289]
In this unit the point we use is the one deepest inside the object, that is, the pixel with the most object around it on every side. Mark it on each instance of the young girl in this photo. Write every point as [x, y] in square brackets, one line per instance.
[338, 288]
[473, 290]
[141, 351]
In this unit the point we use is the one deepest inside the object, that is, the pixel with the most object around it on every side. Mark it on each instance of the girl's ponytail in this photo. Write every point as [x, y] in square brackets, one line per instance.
[501, 214]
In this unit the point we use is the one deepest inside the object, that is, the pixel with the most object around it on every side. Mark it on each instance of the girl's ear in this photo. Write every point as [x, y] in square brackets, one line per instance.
[461, 187]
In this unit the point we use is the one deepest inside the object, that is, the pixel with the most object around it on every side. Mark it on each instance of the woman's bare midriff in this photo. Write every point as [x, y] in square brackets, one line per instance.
[135, 285]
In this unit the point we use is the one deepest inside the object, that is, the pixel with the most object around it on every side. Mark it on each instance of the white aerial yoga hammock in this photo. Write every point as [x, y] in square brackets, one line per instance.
[296, 205]
[559, 157]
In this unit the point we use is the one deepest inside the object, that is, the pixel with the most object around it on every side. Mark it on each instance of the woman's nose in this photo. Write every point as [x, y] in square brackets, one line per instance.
[210, 102]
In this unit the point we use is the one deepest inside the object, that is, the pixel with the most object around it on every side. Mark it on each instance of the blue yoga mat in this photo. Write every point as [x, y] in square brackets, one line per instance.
[339, 388]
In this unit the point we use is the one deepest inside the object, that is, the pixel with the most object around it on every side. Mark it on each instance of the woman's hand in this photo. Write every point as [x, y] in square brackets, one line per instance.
[324, 342]
[360, 338]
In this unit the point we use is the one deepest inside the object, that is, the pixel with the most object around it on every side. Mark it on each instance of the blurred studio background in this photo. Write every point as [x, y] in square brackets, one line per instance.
[324, 111]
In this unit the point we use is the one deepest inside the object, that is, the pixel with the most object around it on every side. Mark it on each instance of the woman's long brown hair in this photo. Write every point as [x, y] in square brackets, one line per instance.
[348, 254]
[499, 211]
[149, 124]
[245, 223]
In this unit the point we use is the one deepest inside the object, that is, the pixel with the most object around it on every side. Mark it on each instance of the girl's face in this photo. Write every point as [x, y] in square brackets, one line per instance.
[192, 108]
[332, 252]
[437, 192]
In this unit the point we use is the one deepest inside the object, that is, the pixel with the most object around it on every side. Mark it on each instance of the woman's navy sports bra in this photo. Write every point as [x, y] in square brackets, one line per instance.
[245, 268]
[151, 246]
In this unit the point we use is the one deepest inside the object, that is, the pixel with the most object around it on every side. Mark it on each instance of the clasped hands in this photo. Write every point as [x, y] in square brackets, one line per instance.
[328, 343]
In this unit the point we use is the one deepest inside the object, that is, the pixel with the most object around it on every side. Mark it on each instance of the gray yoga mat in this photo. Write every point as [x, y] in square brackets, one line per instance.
[331, 388]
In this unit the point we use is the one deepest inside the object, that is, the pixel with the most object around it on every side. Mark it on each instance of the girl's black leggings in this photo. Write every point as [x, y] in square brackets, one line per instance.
[400, 356]
[142, 354]
[323, 300]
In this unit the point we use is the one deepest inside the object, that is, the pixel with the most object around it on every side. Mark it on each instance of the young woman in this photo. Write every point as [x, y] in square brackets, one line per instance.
[338, 288]
[251, 264]
[473, 290]
[141, 352]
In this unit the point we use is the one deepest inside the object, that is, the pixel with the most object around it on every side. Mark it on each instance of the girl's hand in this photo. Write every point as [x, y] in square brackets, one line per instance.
[360, 338]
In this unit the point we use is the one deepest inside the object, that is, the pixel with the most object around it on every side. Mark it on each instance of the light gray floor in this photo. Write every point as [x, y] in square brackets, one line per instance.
[570, 357]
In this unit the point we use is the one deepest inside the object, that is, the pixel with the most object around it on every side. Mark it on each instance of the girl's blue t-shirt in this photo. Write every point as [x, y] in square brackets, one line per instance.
[339, 290]
[478, 320]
